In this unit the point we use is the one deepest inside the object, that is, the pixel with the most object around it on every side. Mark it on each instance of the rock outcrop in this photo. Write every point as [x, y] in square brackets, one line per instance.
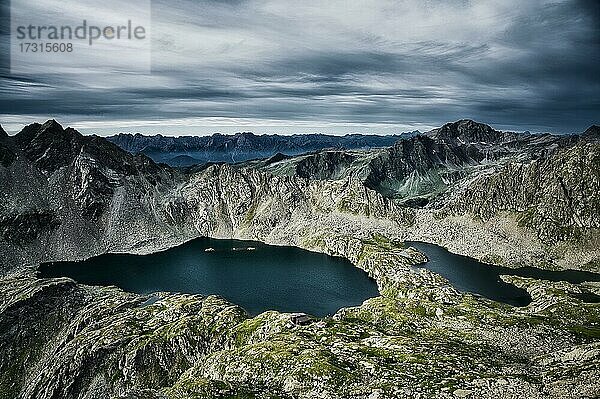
[558, 196]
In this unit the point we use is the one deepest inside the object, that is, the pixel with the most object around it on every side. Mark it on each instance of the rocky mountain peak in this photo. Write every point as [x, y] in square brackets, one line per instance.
[467, 131]
[592, 132]
[49, 145]
[52, 124]
[47, 133]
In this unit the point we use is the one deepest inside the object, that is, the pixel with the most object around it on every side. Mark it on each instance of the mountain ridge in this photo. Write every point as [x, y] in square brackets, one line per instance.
[242, 146]
[422, 172]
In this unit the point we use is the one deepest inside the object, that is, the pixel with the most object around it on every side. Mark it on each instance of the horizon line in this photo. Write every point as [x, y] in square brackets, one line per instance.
[179, 127]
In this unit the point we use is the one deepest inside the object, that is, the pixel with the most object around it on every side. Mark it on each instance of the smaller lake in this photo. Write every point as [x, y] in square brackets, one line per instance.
[254, 275]
[469, 275]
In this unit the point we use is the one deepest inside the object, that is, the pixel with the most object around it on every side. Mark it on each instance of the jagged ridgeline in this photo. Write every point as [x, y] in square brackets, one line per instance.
[194, 150]
[506, 198]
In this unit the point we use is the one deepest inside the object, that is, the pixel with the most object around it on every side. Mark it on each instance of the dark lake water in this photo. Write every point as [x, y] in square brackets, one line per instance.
[470, 275]
[268, 277]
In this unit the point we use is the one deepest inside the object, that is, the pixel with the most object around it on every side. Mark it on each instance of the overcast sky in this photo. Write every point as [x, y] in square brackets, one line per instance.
[372, 66]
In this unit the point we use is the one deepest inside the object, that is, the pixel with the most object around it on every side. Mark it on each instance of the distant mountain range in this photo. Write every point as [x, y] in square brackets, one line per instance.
[192, 150]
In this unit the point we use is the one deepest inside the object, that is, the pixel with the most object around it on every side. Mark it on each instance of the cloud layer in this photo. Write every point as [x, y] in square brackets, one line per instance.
[379, 66]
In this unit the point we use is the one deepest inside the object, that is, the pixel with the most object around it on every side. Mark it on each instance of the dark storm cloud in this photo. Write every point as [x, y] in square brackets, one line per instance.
[519, 65]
